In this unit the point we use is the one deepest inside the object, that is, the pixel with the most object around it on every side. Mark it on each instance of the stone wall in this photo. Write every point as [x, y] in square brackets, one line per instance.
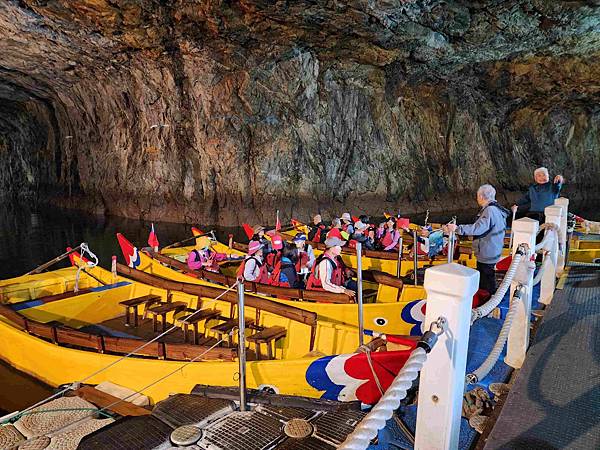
[217, 112]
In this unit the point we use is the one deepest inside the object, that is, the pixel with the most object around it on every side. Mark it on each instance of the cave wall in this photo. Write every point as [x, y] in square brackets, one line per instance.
[217, 112]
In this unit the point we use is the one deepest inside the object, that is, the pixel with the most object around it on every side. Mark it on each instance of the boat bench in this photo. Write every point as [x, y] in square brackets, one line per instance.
[369, 294]
[267, 336]
[228, 326]
[132, 304]
[162, 309]
[193, 318]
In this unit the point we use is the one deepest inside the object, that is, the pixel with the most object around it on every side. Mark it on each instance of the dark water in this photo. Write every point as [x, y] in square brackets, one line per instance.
[30, 237]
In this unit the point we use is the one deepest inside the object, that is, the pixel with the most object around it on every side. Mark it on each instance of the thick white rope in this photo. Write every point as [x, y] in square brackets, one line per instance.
[548, 241]
[481, 372]
[376, 419]
[488, 307]
[102, 369]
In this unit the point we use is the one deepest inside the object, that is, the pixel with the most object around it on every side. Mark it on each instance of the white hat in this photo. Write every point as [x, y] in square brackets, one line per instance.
[346, 216]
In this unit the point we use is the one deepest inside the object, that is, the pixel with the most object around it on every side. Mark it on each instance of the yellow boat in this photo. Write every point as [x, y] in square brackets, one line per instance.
[584, 250]
[392, 308]
[58, 335]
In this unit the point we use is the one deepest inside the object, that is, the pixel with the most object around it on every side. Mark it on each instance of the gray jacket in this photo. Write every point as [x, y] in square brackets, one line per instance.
[487, 232]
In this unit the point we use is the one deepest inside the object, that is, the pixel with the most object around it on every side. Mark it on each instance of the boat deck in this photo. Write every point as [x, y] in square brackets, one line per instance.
[555, 400]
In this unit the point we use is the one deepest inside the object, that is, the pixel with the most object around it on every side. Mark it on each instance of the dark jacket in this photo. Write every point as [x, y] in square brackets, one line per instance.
[487, 232]
[539, 196]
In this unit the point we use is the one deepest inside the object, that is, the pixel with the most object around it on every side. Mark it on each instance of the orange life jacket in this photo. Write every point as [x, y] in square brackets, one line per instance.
[337, 274]
[263, 275]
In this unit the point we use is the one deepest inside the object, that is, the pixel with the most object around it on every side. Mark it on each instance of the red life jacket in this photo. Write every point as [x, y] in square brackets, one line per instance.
[272, 259]
[274, 279]
[302, 260]
[337, 274]
[352, 243]
[263, 275]
[387, 239]
[317, 236]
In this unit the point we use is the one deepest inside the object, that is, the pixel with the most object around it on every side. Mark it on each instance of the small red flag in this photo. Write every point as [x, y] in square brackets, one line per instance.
[152, 239]
[248, 230]
[402, 223]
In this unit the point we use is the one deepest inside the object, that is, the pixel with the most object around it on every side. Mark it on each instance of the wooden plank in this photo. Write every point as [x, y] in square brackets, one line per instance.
[13, 316]
[127, 345]
[291, 312]
[41, 330]
[268, 334]
[140, 300]
[186, 352]
[383, 278]
[74, 337]
[104, 400]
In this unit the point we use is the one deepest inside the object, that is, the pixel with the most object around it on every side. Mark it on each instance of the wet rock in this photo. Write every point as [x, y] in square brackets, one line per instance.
[211, 111]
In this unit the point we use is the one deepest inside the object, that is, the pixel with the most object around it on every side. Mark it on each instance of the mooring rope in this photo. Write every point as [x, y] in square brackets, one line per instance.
[69, 426]
[74, 385]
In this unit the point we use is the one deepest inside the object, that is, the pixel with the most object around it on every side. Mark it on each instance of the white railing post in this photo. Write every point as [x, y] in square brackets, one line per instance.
[518, 337]
[562, 239]
[548, 283]
[450, 289]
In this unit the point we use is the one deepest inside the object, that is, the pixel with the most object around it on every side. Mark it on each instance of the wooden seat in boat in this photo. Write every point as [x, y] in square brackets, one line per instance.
[369, 294]
[193, 318]
[227, 326]
[162, 309]
[132, 304]
[267, 336]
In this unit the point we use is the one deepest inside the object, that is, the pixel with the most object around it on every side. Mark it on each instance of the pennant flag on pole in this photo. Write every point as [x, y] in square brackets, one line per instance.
[402, 223]
[386, 215]
[248, 230]
[277, 222]
[152, 239]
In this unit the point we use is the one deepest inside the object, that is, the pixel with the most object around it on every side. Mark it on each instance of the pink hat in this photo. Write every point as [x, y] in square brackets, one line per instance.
[253, 247]
[277, 242]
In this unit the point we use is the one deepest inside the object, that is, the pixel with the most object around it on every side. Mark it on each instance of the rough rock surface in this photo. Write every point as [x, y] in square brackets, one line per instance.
[215, 111]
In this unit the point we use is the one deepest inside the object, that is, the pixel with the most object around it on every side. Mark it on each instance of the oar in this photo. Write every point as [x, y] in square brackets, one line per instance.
[38, 269]
[210, 233]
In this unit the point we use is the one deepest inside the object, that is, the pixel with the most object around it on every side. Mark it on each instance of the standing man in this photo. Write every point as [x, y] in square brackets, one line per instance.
[540, 194]
[488, 235]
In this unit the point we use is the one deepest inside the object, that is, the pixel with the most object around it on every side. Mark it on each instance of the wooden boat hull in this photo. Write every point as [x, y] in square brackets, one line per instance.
[393, 313]
[297, 372]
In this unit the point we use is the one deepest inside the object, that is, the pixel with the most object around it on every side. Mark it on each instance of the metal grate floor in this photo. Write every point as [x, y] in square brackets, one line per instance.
[142, 432]
[242, 431]
[555, 401]
[183, 409]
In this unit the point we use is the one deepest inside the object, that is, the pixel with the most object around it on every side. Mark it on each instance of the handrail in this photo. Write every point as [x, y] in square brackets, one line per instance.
[253, 301]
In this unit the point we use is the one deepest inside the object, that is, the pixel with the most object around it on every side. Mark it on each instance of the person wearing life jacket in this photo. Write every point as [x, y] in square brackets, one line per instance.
[390, 236]
[347, 223]
[306, 254]
[488, 235]
[253, 267]
[363, 235]
[202, 257]
[318, 231]
[284, 273]
[273, 258]
[328, 272]
[259, 235]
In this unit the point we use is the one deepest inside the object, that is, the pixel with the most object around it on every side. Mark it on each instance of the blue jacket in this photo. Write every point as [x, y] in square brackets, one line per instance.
[487, 232]
[539, 196]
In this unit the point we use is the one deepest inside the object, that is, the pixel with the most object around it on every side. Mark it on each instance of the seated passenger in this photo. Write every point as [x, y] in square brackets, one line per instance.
[203, 257]
[318, 230]
[253, 267]
[306, 254]
[285, 274]
[328, 272]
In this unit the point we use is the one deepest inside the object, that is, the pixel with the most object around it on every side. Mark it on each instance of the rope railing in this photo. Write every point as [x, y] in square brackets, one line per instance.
[494, 301]
[481, 372]
[376, 419]
[548, 241]
[87, 265]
